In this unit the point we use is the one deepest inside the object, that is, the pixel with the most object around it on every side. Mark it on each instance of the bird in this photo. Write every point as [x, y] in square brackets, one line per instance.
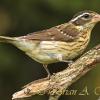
[61, 43]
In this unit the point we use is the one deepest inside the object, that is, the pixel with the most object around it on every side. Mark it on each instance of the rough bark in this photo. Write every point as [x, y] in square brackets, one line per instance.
[59, 82]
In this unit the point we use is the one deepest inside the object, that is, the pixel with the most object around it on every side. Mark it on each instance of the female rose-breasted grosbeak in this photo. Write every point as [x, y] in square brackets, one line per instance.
[61, 43]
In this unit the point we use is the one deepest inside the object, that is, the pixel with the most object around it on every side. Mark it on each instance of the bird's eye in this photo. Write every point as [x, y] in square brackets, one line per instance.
[86, 16]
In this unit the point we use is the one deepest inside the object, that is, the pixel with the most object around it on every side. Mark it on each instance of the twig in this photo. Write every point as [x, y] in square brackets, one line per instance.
[57, 84]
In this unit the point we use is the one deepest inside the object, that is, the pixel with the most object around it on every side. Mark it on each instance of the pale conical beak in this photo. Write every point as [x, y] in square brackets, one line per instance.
[96, 18]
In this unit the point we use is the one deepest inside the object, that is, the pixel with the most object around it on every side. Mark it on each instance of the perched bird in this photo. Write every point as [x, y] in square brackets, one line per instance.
[60, 43]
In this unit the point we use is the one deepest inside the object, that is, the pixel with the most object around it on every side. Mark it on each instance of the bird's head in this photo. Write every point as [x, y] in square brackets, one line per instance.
[85, 19]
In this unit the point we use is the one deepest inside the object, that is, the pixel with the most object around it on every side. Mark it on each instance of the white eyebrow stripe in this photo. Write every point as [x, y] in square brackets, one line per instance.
[78, 17]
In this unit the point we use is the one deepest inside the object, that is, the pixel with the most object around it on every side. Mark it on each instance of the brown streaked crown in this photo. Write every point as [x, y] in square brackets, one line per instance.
[83, 17]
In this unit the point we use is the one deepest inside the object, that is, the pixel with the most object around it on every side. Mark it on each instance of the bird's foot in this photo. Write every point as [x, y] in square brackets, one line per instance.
[70, 62]
[49, 75]
[45, 67]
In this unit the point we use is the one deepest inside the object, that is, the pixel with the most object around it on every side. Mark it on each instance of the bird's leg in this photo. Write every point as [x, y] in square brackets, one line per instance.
[68, 61]
[60, 58]
[45, 67]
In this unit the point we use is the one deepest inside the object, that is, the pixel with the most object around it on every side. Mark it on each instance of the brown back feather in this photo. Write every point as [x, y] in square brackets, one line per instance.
[64, 32]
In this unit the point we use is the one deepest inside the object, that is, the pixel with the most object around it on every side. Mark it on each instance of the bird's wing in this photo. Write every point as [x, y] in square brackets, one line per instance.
[63, 32]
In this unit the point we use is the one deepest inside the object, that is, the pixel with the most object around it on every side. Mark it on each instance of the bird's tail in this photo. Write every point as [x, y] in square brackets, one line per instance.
[6, 39]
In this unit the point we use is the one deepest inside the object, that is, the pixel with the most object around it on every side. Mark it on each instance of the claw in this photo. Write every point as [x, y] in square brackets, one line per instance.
[70, 62]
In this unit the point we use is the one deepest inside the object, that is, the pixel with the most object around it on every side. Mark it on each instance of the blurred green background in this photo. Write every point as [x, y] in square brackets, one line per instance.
[19, 17]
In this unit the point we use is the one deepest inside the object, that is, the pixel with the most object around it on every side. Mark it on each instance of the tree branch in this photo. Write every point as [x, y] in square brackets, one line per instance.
[57, 84]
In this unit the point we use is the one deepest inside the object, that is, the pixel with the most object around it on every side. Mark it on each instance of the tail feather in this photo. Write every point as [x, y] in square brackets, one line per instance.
[6, 39]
